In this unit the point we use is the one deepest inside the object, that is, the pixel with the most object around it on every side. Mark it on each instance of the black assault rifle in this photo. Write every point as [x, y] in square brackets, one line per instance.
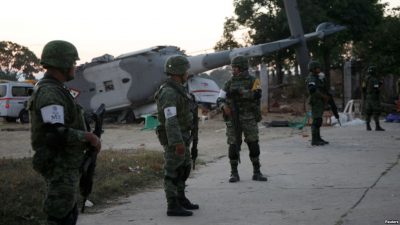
[89, 161]
[333, 107]
[195, 131]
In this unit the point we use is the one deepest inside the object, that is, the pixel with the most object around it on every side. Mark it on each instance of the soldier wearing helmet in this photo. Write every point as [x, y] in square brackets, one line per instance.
[318, 98]
[240, 102]
[58, 134]
[372, 104]
[174, 133]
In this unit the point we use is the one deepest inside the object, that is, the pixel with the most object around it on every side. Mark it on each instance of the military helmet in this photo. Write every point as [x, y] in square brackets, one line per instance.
[371, 70]
[313, 64]
[176, 65]
[59, 54]
[240, 61]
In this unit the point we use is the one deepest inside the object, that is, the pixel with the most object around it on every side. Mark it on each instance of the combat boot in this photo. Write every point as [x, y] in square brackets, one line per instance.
[323, 141]
[320, 139]
[257, 175]
[377, 126]
[367, 121]
[314, 138]
[234, 171]
[175, 209]
[185, 202]
[234, 177]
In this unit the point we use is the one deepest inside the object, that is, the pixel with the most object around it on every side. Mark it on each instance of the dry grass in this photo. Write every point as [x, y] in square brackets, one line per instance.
[118, 174]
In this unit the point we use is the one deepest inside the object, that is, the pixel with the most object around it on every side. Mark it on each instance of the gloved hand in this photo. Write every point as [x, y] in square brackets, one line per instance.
[180, 149]
[93, 140]
[257, 94]
[227, 110]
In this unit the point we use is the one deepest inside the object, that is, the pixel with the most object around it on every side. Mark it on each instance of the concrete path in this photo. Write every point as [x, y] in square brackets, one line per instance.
[353, 180]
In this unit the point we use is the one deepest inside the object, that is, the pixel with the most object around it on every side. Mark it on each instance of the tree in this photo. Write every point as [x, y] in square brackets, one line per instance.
[380, 47]
[267, 22]
[228, 41]
[17, 61]
[12, 76]
[264, 22]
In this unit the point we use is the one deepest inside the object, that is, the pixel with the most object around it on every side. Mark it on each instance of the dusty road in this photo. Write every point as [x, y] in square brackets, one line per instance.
[354, 180]
[15, 138]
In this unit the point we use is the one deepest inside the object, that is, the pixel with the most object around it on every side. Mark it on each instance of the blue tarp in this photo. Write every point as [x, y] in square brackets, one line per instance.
[393, 117]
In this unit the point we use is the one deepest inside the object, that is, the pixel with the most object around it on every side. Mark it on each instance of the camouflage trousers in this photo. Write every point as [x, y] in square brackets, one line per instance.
[372, 107]
[176, 171]
[317, 110]
[248, 127]
[62, 192]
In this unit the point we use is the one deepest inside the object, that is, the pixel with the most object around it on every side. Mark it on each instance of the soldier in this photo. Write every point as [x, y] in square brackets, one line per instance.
[239, 100]
[318, 98]
[371, 88]
[174, 134]
[58, 134]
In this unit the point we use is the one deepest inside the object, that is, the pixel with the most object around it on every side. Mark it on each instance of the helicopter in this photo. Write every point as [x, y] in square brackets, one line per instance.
[126, 84]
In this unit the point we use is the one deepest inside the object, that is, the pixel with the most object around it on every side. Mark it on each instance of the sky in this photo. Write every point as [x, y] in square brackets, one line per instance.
[117, 26]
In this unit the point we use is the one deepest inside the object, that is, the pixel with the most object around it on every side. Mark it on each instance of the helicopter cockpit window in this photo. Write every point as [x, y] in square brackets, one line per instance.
[108, 85]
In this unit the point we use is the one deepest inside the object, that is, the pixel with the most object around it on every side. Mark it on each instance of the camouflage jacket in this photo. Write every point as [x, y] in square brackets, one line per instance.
[70, 145]
[238, 90]
[174, 112]
[317, 89]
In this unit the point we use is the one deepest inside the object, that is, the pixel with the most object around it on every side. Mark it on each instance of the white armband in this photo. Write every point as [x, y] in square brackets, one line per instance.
[53, 114]
[376, 85]
[169, 112]
[311, 83]
[222, 94]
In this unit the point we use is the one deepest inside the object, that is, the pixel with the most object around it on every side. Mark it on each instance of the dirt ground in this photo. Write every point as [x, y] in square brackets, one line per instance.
[15, 137]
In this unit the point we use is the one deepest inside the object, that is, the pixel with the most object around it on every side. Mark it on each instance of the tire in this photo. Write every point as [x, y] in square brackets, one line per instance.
[24, 116]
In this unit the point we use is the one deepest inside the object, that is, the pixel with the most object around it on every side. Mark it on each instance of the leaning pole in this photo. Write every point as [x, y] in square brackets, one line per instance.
[296, 30]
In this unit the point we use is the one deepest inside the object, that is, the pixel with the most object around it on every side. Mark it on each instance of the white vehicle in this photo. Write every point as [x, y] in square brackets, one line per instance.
[13, 98]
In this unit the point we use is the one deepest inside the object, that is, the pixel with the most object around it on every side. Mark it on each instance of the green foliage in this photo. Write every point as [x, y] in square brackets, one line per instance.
[118, 174]
[228, 40]
[380, 47]
[266, 21]
[16, 60]
[12, 76]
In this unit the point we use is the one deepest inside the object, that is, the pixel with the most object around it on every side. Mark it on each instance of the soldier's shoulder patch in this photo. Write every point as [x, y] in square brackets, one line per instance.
[169, 112]
[53, 114]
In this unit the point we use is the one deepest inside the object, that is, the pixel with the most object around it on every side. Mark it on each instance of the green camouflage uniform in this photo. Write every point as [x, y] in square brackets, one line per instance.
[318, 94]
[58, 153]
[316, 101]
[248, 107]
[372, 98]
[239, 92]
[372, 104]
[172, 131]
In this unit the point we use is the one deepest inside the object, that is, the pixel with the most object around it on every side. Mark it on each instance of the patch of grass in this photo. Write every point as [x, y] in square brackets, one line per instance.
[118, 174]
